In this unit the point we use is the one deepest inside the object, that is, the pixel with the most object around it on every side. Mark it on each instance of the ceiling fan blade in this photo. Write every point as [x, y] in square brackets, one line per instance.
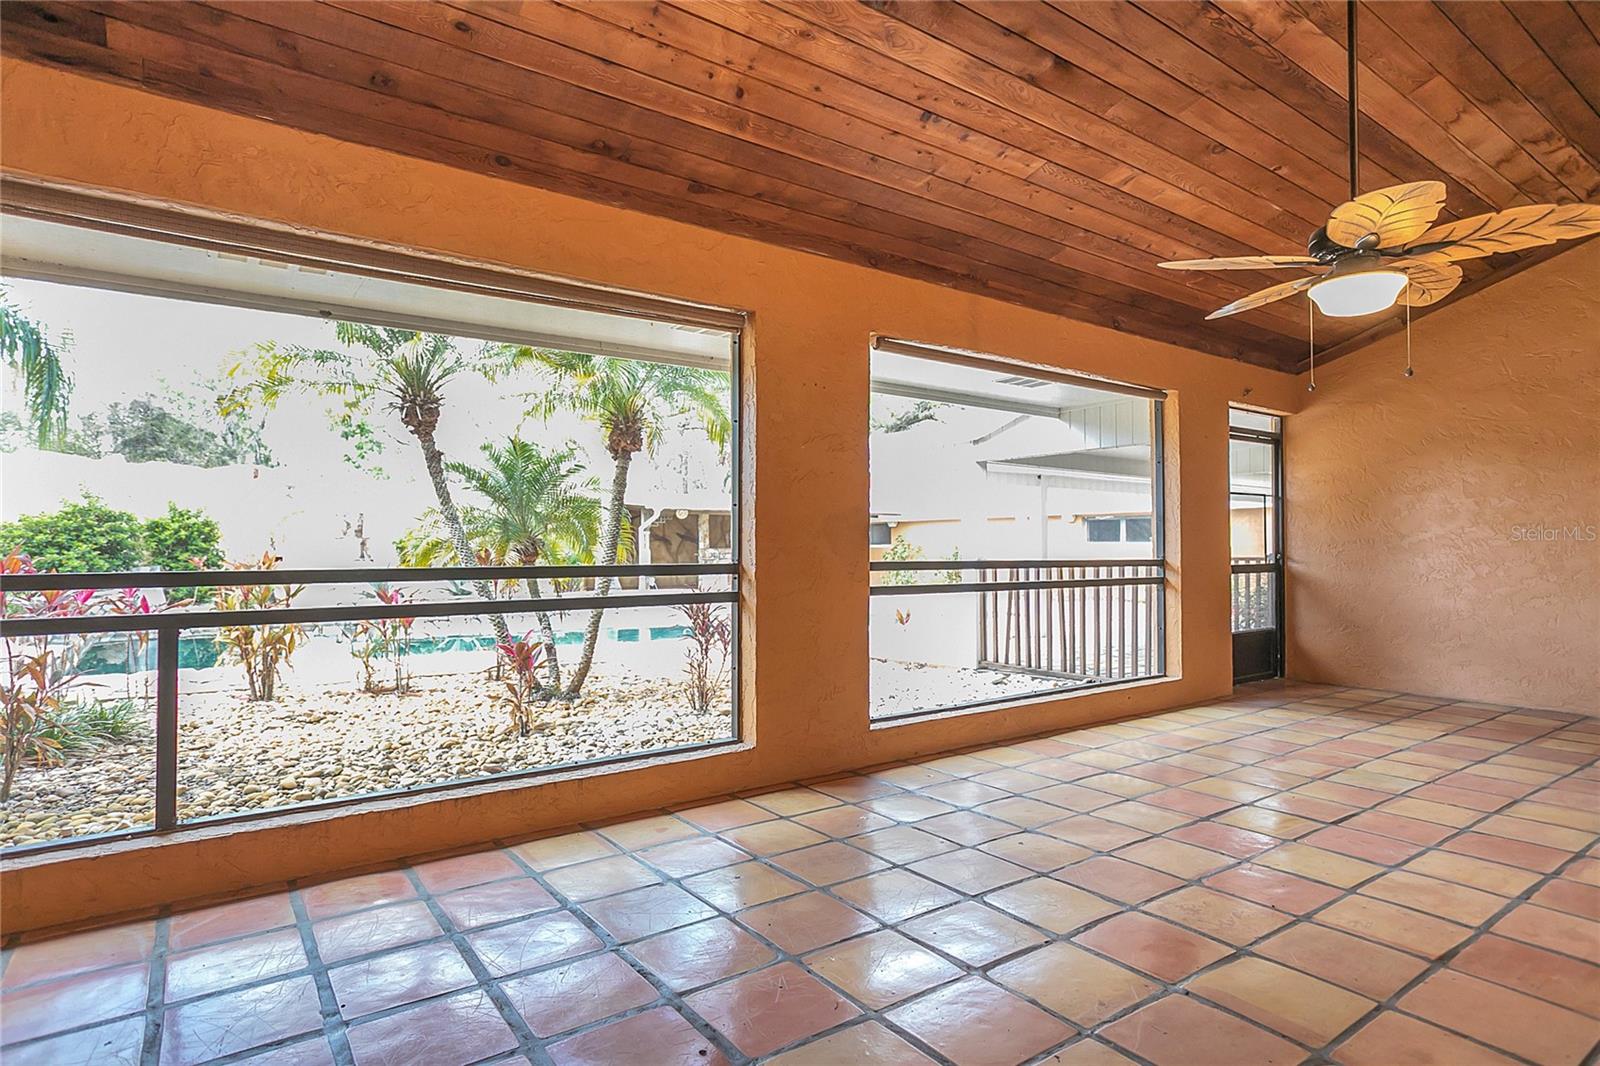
[1509, 231]
[1387, 218]
[1431, 281]
[1262, 297]
[1243, 262]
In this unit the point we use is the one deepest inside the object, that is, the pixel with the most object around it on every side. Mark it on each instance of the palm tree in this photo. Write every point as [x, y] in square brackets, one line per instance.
[25, 349]
[409, 370]
[631, 401]
[542, 507]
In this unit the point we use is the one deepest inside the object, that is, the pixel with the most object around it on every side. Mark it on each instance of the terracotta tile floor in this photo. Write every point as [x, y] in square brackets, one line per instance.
[1298, 874]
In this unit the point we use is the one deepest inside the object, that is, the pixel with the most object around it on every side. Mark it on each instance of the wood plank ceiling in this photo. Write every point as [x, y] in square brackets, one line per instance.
[1049, 154]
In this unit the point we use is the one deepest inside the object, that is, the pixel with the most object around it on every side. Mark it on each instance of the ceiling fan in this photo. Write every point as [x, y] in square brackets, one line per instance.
[1382, 247]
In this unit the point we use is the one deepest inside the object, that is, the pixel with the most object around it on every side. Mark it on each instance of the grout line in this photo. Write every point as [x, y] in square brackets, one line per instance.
[155, 1011]
[527, 1041]
[1291, 715]
[332, 1020]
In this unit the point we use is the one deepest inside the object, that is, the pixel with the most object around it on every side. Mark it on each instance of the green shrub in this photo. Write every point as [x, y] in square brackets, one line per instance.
[82, 537]
[183, 539]
[83, 725]
[901, 551]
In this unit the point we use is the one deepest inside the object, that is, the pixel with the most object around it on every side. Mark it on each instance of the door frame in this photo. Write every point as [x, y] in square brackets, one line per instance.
[1272, 564]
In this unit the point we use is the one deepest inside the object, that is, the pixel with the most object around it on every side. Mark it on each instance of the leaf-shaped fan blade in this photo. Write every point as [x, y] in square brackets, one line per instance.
[1431, 281]
[1262, 297]
[1395, 216]
[1510, 231]
[1243, 262]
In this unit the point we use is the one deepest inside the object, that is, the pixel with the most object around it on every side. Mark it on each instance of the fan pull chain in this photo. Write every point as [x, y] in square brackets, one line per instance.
[1409, 371]
[1311, 338]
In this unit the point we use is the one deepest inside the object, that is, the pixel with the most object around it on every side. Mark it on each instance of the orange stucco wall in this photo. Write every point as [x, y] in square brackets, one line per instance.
[1415, 505]
[805, 490]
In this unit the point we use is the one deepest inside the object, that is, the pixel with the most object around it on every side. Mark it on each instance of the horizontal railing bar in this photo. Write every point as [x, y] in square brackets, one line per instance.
[128, 579]
[1256, 568]
[1003, 564]
[175, 620]
[16, 851]
[1003, 586]
[1058, 692]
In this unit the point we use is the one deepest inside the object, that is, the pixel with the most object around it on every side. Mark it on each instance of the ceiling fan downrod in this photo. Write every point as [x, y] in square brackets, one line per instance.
[1353, 98]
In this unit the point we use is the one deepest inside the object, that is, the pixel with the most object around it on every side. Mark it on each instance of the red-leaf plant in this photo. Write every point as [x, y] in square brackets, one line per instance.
[710, 645]
[384, 638]
[525, 657]
[39, 671]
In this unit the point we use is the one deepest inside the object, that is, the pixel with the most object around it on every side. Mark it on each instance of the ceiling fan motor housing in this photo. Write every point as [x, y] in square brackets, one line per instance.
[1325, 249]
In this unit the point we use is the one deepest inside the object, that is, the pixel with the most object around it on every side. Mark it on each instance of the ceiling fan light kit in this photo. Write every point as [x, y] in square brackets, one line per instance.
[1356, 287]
[1382, 248]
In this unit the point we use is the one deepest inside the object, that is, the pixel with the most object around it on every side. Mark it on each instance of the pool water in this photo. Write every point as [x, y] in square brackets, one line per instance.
[201, 652]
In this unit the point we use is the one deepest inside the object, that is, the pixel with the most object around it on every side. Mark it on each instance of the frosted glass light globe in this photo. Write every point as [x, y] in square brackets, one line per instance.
[1364, 293]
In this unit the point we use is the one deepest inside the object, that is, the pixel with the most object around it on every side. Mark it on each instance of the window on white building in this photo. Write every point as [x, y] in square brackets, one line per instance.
[1025, 556]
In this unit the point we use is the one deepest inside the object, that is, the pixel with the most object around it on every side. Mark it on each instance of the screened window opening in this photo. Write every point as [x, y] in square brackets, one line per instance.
[1025, 558]
[326, 535]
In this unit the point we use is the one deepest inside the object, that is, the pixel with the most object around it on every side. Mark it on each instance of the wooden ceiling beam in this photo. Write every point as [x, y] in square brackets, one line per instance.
[671, 151]
[1414, 86]
[1563, 36]
[1074, 85]
[1387, 158]
[1104, 151]
[1458, 59]
[943, 117]
[532, 42]
[206, 75]
[1050, 154]
[1132, 72]
[1311, 37]
[1543, 87]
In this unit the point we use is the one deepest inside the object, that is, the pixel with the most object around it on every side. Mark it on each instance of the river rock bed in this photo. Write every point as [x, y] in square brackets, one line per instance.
[328, 743]
[904, 688]
[332, 742]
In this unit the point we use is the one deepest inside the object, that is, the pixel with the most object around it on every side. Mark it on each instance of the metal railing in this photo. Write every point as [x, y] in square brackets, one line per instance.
[169, 626]
[1255, 594]
[1086, 620]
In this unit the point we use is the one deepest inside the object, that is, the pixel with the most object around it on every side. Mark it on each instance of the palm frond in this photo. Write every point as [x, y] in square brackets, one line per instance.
[46, 384]
[541, 504]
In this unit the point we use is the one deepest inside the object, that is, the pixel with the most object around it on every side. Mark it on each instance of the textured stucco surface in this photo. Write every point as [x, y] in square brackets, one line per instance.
[805, 477]
[1406, 498]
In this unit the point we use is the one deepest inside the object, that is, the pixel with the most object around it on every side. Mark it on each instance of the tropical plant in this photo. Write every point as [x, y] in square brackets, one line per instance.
[146, 431]
[376, 639]
[632, 402]
[263, 649]
[523, 655]
[83, 725]
[901, 551]
[27, 350]
[82, 537]
[183, 539]
[42, 723]
[407, 370]
[33, 693]
[86, 439]
[37, 675]
[542, 508]
[952, 576]
[710, 645]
